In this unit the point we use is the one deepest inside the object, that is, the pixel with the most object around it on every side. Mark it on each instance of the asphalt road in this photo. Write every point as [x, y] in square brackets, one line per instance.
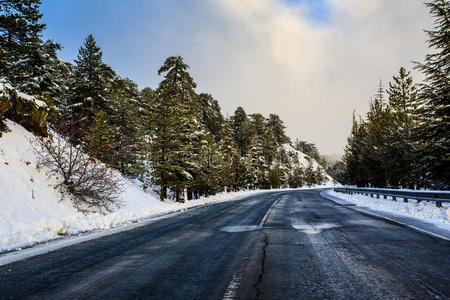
[284, 245]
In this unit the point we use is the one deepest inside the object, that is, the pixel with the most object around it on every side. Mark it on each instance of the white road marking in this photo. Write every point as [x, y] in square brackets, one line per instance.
[233, 287]
[264, 219]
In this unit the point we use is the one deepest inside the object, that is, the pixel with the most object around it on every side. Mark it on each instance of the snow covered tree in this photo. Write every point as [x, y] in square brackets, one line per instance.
[178, 134]
[194, 156]
[145, 99]
[297, 177]
[310, 176]
[126, 125]
[256, 164]
[276, 127]
[257, 125]
[207, 176]
[30, 64]
[286, 166]
[275, 175]
[434, 134]
[212, 115]
[20, 32]
[270, 146]
[229, 157]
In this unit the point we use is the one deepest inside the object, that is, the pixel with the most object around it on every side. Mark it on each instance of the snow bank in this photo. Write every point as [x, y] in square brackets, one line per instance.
[425, 211]
[31, 208]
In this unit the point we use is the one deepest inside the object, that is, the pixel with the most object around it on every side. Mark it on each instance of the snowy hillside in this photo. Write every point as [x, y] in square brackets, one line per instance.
[304, 161]
[32, 211]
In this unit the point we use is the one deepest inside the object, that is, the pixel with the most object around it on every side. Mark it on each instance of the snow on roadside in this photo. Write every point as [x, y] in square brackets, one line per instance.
[425, 211]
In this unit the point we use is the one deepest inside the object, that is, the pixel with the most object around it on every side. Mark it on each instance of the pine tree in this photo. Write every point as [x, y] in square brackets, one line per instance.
[257, 125]
[310, 175]
[256, 164]
[276, 127]
[241, 130]
[276, 175]
[146, 98]
[178, 135]
[229, 157]
[100, 138]
[40, 72]
[212, 115]
[353, 156]
[196, 147]
[403, 103]
[378, 154]
[286, 166]
[126, 125]
[403, 98]
[270, 146]
[434, 134]
[208, 178]
[30, 64]
[297, 177]
[337, 171]
[20, 32]
[90, 90]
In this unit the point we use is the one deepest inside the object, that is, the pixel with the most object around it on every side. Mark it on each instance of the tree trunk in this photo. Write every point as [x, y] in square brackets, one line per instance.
[177, 194]
[162, 192]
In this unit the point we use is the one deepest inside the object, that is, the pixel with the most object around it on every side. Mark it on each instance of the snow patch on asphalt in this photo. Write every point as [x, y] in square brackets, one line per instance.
[314, 229]
[241, 228]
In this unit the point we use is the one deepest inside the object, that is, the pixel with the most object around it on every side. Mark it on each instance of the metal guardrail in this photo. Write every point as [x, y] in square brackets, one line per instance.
[437, 197]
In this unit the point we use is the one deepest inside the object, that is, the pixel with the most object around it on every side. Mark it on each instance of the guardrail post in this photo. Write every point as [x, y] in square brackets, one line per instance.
[378, 196]
[394, 198]
[384, 196]
[405, 200]
[438, 204]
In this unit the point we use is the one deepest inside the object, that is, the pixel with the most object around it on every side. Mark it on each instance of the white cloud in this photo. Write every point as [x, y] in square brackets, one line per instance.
[267, 57]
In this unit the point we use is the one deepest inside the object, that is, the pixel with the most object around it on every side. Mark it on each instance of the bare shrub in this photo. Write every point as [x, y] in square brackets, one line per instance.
[93, 185]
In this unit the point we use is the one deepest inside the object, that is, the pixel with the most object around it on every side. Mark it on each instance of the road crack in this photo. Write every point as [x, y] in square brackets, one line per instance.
[263, 267]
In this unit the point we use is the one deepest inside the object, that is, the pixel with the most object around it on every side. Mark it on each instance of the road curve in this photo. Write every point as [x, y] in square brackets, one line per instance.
[278, 245]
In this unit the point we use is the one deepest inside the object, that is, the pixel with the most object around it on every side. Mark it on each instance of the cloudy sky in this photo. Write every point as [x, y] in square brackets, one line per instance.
[311, 61]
